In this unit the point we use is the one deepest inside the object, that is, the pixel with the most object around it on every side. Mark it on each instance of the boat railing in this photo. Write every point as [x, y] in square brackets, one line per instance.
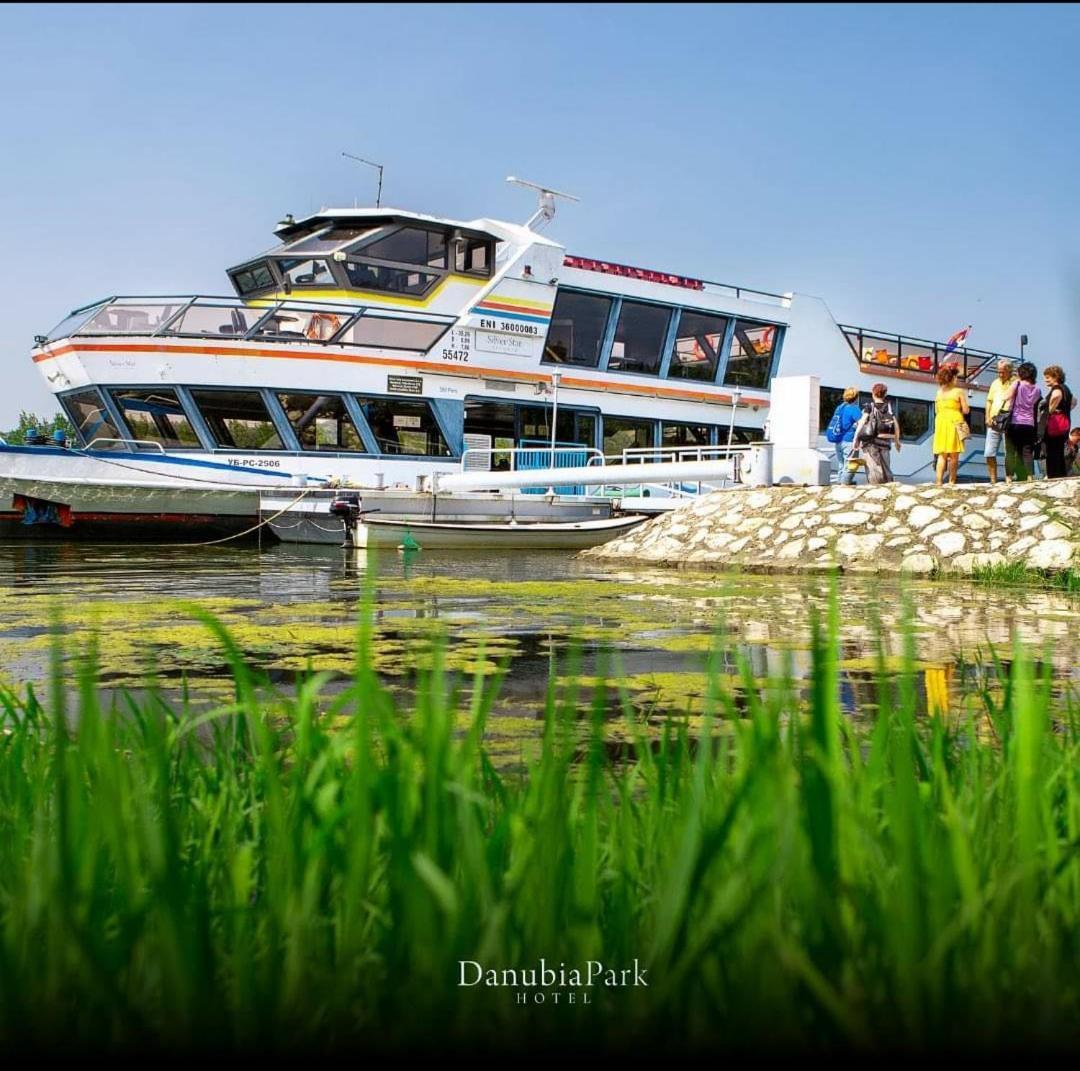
[571, 455]
[206, 316]
[902, 353]
[626, 271]
[676, 489]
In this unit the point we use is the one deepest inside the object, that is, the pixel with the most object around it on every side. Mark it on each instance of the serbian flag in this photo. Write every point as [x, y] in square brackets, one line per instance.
[958, 339]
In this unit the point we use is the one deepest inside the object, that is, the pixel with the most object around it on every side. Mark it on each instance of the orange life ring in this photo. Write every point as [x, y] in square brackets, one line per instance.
[322, 325]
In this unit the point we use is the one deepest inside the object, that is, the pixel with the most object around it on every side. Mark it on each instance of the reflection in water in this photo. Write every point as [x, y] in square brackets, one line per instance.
[295, 607]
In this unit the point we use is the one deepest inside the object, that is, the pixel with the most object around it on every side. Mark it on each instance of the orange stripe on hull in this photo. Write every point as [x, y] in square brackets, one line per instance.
[396, 362]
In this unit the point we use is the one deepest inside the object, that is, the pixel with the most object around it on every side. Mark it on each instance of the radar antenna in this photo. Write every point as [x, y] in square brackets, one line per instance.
[378, 167]
[545, 211]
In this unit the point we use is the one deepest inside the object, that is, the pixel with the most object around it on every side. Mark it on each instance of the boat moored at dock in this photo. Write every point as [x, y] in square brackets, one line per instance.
[379, 348]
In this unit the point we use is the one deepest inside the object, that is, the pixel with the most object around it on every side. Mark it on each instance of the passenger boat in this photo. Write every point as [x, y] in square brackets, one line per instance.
[372, 347]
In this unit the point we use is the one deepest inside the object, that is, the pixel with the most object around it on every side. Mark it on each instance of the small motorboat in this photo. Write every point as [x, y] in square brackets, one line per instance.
[561, 535]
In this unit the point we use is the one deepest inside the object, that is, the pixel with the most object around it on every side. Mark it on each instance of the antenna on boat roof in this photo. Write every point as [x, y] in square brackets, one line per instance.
[545, 211]
[378, 167]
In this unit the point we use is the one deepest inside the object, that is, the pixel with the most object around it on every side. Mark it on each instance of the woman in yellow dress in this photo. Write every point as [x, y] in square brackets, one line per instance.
[950, 412]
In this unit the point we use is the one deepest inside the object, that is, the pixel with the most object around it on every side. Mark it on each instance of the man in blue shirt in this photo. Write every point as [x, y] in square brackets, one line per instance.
[841, 432]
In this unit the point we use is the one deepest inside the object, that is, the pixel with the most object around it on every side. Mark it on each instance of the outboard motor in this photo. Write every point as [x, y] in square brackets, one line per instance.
[347, 508]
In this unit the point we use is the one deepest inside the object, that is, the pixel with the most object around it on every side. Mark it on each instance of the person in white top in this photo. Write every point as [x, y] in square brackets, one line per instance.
[996, 404]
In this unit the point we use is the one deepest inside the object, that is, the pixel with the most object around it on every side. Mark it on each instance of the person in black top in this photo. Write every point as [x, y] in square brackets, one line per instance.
[1059, 403]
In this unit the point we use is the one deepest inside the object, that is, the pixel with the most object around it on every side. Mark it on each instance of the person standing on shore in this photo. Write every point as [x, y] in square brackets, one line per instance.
[876, 433]
[950, 424]
[1072, 453]
[1023, 402]
[1059, 403]
[997, 418]
[841, 433]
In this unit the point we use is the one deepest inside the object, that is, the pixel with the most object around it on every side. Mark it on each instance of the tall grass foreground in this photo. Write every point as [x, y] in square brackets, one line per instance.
[311, 869]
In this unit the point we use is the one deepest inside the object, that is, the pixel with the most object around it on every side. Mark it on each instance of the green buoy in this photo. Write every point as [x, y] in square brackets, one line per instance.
[408, 543]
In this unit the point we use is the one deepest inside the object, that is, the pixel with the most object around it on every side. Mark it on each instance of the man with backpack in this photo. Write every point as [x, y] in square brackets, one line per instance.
[841, 433]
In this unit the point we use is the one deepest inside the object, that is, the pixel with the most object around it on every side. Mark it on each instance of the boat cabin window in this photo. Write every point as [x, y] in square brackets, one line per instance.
[321, 422]
[253, 277]
[407, 281]
[238, 419]
[306, 273]
[698, 340]
[404, 427]
[578, 325]
[156, 416]
[123, 319]
[751, 357]
[409, 245]
[639, 338]
[87, 412]
[473, 256]
[742, 436]
[327, 240]
[573, 427]
[393, 334]
[205, 320]
[914, 417]
[625, 433]
[685, 434]
[289, 324]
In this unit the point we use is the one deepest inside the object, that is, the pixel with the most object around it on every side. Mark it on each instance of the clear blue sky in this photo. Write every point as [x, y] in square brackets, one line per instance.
[918, 167]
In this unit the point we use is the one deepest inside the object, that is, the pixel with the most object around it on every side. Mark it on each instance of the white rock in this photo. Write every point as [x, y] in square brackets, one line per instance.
[934, 529]
[877, 493]
[1054, 554]
[850, 519]
[918, 563]
[1027, 523]
[1031, 506]
[905, 502]
[1054, 530]
[975, 522]
[968, 563]
[949, 543]
[843, 494]
[792, 550]
[815, 543]
[851, 545]
[791, 523]
[921, 516]
[1005, 501]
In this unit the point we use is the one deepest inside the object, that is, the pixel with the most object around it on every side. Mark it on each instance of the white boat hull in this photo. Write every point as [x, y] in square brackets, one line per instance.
[559, 536]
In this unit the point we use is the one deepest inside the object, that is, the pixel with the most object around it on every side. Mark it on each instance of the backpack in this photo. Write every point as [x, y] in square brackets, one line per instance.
[878, 423]
[836, 431]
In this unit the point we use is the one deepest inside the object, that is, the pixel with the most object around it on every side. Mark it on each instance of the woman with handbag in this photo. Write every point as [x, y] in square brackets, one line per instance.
[997, 419]
[877, 432]
[1059, 403]
[1023, 402]
[951, 429]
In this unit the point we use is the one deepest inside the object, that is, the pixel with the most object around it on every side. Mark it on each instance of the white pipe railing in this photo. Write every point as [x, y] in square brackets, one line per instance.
[590, 476]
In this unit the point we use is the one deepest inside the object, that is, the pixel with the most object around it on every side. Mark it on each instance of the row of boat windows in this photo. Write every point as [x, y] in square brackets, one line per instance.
[915, 414]
[245, 420]
[406, 261]
[599, 331]
[338, 423]
[501, 425]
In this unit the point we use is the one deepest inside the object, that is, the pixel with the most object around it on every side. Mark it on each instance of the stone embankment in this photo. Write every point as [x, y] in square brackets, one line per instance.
[892, 528]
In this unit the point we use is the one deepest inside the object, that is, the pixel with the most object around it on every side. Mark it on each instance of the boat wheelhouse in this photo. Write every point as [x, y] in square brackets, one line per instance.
[372, 347]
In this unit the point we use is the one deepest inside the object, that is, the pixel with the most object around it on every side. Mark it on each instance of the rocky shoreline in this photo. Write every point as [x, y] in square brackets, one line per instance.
[886, 529]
